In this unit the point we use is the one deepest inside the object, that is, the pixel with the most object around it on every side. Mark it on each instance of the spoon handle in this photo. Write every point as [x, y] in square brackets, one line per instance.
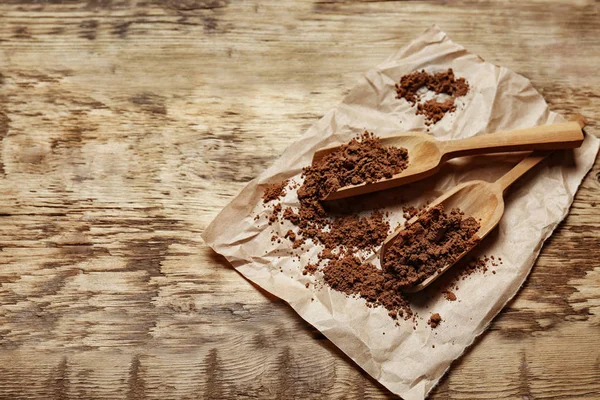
[520, 169]
[566, 135]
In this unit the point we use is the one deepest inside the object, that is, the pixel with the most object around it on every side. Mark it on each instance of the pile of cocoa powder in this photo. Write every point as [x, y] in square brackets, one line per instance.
[435, 239]
[440, 83]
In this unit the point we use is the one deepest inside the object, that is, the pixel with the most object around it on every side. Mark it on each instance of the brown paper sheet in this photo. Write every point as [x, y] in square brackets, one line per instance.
[403, 359]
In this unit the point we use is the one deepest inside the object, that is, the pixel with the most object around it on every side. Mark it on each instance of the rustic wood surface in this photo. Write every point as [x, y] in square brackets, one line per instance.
[125, 126]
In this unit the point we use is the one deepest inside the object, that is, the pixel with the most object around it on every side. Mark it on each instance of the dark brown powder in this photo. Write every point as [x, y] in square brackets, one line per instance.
[355, 233]
[349, 275]
[410, 211]
[434, 111]
[290, 235]
[274, 191]
[275, 213]
[440, 83]
[478, 264]
[436, 239]
[450, 296]
[410, 84]
[362, 160]
[435, 320]
[310, 269]
[291, 216]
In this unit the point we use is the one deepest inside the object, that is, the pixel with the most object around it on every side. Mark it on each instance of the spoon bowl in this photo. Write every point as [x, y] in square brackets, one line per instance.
[420, 146]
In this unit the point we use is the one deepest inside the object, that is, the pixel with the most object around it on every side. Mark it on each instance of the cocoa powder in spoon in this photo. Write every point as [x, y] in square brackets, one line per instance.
[433, 241]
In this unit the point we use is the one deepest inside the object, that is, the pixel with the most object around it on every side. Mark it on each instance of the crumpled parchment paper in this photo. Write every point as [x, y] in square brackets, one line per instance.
[403, 359]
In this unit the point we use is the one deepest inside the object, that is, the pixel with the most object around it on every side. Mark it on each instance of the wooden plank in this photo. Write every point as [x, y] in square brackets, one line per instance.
[125, 126]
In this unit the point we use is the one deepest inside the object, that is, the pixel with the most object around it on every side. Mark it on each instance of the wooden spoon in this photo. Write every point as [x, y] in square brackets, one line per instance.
[426, 154]
[479, 199]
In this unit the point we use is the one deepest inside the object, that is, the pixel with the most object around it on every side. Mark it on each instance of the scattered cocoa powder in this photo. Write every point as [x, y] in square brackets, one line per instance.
[298, 242]
[409, 212]
[353, 232]
[275, 213]
[449, 295]
[290, 235]
[309, 269]
[435, 320]
[327, 254]
[478, 264]
[433, 241]
[349, 275]
[360, 160]
[274, 191]
[291, 216]
[440, 83]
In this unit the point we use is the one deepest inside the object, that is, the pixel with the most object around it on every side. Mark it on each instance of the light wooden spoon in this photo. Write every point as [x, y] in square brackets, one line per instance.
[426, 155]
[481, 200]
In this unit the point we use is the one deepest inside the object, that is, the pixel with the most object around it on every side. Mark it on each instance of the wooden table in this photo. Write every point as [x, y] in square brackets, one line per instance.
[125, 126]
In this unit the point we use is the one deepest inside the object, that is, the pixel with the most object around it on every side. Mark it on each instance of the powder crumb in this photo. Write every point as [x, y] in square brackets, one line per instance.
[477, 264]
[298, 243]
[435, 320]
[327, 254]
[290, 235]
[291, 216]
[275, 213]
[309, 269]
[274, 191]
[409, 212]
[449, 295]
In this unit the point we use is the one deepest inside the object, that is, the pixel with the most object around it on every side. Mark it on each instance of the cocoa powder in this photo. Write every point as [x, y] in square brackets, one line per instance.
[434, 111]
[349, 275]
[442, 83]
[425, 246]
[435, 320]
[434, 240]
[360, 160]
[363, 160]
[274, 191]
[450, 296]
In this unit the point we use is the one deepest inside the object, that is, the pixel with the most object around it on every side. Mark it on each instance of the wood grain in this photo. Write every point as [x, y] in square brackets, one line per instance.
[125, 126]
